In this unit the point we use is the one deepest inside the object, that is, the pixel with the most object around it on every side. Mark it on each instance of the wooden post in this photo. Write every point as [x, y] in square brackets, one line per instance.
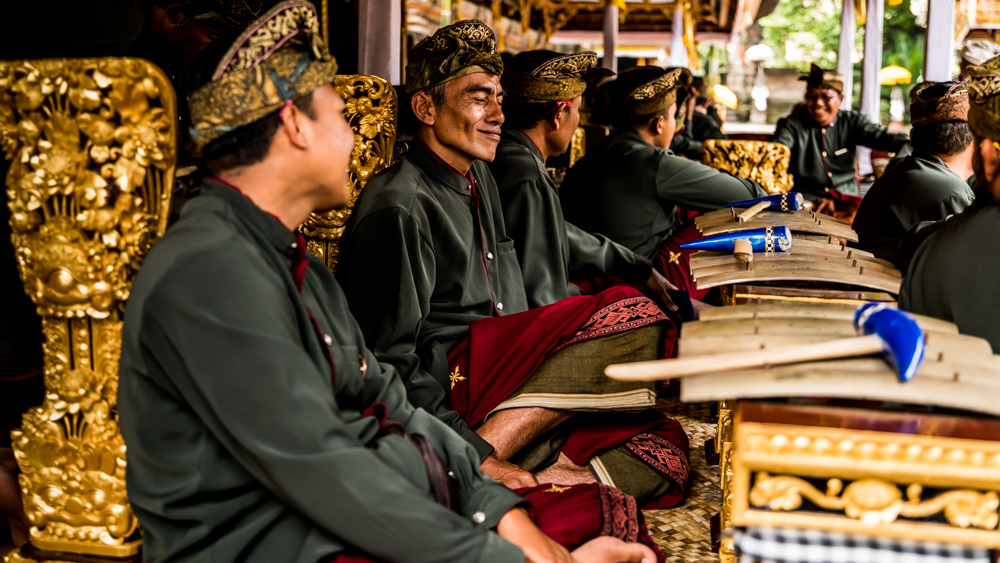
[678, 52]
[610, 37]
[380, 24]
[844, 65]
[871, 90]
[940, 44]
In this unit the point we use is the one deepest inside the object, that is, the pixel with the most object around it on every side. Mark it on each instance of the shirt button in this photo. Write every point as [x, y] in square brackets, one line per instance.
[479, 517]
[295, 245]
[489, 255]
[824, 154]
[499, 306]
[823, 131]
[328, 339]
[826, 189]
[830, 174]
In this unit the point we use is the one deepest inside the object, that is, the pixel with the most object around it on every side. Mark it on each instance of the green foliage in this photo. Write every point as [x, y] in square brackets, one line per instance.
[802, 32]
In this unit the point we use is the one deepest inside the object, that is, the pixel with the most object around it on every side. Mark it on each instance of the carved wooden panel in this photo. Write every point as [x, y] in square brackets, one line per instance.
[93, 146]
[760, 161]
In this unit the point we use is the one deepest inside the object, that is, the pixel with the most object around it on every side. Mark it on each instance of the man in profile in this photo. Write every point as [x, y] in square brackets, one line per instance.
[631, 187]
[259, 427]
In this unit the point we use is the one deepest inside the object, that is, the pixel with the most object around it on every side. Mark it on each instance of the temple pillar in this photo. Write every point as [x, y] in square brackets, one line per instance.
[940, 45]
[380, 27]
[610, 59]
[845, 49]
[871, 90]
[678, 51]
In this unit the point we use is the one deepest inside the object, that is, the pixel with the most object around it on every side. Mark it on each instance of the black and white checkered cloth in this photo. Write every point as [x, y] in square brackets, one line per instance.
[791, 545]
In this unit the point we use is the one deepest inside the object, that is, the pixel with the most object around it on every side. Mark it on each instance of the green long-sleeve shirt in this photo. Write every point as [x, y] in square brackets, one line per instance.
[629, 190]
[920, 188]
[419, 262]
[954, 273]
[823, 157]
[548, 247]
[240, 447]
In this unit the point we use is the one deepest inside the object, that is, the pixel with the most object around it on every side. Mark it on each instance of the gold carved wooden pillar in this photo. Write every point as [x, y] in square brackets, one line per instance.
[371, 111]
[93, 147]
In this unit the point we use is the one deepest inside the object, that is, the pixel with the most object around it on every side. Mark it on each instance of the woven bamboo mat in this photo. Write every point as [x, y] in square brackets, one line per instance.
[683, 532]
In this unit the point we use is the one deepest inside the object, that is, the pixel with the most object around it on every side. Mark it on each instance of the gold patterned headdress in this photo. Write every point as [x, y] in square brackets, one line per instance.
[466, 47]
[650, 96]
[819, 78]
[547, 76]
[984, 99]
[280, 58]
[927, 107]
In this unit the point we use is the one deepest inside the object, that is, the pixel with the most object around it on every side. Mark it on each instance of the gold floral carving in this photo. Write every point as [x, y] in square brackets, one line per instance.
[877, 502]
[577, 146]
[763, 162]
[93, 150]
[371, 111]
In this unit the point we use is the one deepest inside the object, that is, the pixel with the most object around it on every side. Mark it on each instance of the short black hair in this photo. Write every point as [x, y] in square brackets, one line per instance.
[248, 144]
[526, 115]
[698, 83]
[636, 123]
[946, 138]
[701, 100]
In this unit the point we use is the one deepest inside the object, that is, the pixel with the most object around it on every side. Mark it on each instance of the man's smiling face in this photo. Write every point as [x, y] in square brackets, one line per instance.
[468, 123]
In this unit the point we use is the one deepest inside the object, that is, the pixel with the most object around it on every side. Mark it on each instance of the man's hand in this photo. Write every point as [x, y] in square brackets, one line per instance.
[826, 205]
[517, 528]
[509, 474]
[606, 549]
[659, 286]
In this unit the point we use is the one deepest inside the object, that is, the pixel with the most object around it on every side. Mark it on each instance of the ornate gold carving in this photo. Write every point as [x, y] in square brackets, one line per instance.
[765, 163]
[875, 502]
[93, 149]
[371, 111]
[577, 146]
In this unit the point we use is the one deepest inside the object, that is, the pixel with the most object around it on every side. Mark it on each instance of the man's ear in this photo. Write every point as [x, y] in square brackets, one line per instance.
[293, 124]
[555, 118]
[175, 14]
[657, 124]
[423, 108]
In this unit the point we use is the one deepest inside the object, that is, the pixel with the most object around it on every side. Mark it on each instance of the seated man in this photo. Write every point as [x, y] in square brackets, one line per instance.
[543, 91]
[703, 125]
[434, 280]
[824, 141]
[953, 274]
[928, 185]
[684, 144]
[259, 427]
[630, 187]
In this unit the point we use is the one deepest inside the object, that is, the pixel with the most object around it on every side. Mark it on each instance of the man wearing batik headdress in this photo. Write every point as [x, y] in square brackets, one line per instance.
[630, 188]
[434, 278]
[928, 185]
[543, 91]
[259, 427]
[953, 275]
[684, 144]
[824, 140]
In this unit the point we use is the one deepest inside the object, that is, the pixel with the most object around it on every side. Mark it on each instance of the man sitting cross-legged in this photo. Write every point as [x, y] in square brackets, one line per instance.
[543, 91]
[435, 282]
[259, 427]
[630, 187]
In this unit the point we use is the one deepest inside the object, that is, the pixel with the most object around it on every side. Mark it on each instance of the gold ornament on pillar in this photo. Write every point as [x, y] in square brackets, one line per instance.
[92, 145]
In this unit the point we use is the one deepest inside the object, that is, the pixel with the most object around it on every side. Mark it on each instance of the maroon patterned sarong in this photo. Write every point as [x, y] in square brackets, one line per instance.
[675, 262]
[572, 516]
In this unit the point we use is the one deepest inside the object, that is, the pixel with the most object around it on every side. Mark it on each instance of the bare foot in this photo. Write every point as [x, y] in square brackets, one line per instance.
[565, 472]
[607, 549]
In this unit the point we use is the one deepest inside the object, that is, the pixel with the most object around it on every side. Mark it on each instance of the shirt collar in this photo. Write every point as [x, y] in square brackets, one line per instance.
[428, 161]
[263, 223]
[521, 139]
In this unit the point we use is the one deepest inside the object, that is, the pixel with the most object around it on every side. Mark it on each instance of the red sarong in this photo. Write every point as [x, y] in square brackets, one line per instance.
[501, 353]
[572, 516]
[675, 262]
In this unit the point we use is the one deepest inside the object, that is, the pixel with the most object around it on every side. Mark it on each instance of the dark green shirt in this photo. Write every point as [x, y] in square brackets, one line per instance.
[823, 158]
[547, 246]
[419, 262]
[920, 188]
[685, 144]
[629, 190]
[953, 275]
[705, 127]
[240, 447]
